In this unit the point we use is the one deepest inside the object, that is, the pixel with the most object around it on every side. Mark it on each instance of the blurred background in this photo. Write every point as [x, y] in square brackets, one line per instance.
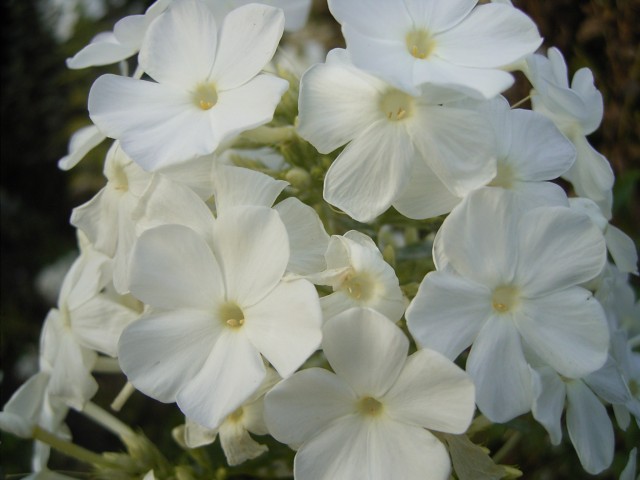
[43, 103]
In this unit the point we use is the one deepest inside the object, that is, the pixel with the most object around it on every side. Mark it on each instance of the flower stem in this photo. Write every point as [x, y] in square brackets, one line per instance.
[122, 397]
[107, 365]
[517, 104]
[269, 135]
[507, 447]
[108, 421]
[70, 449]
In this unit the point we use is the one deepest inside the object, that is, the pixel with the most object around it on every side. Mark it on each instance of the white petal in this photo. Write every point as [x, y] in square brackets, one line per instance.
[398, 450]
[234, 186]
[500, 372]
[103, 50]
[98, 220]
[337, 103]
[557, 248]
[300, 407]
[237, 444]
[365, 349]
[157, 125]
[432, 392]
[247, 106]
[457, 145]
[232, 372]
[436, 16]
[623, 250]
[252, 247]
[285, 325]
[589, 428]
[308, 239]
[538, 150]
[491, 36]
[375, 18]
[180, 46]
[371, 172]
[173, 267]
[162, 351]
[479, 237]
[549, 394]
[21, 413]
[568, 329]
[248, 39]
[425, 195]
[630, 469]
[81, 143]
[447, 312]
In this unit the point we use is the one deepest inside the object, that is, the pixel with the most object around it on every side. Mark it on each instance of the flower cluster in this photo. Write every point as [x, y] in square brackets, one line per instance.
[255, 256]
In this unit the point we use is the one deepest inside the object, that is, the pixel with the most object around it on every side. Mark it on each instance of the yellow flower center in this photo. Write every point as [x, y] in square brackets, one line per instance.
[359, 286]
[231, 315]
[505, 298]
[205, 96]
[420, 44]
[369, 406]
[236, 415]
[396, 105]
[504, 176]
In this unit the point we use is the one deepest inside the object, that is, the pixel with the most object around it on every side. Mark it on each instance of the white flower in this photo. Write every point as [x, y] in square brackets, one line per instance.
[295, 12]
[530, 151]
[388, 132]
[369, 419]
[81, 142]
[359, 277]
[448, 42]
[587, 420]
[216, 307]
[210, 87]
[577, 110]
[508, 279]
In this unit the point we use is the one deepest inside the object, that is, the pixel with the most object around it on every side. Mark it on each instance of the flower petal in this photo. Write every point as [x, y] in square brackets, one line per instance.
[162, 351]
[568, 329]
[500, 372]
[366, 349]
[232, 372]
[435, 16]
[549, 394]
[374, 18]
[447, 312]
[180, 45]
[285, 325]
[300, 407]
[589, 428]
[248, 39]
[371, 172]
[432, 392]
[252, 247]
[173, 267]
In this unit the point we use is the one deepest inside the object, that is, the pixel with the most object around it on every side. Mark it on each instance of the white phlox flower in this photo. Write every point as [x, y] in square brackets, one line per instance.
[118, 213]
[530, 151]
[123, 42]
[576, 109]
[30, 406]
[387, 132]
[620, 245]
[359, 277]
[209, 86]
[218, 305]
[451, 43]
[371, 419]
[588, 423]
[508, 278]
[237, 444]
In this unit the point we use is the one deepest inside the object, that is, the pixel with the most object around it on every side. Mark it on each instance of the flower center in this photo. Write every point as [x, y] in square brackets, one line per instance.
[236, 415]
[396, 105]
[359, 286]
[231, 315]
[420, 44]
[505, 298]
[369, 406]
[205, 96]
[504, 176]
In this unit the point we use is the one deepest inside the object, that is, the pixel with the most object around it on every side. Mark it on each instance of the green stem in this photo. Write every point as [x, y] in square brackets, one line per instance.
[108, 421]
[269, 135]
[70, 449]
[507, 447]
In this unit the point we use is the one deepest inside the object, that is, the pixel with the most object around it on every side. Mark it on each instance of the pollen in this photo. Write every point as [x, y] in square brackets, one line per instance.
[369, 406]
[205, 96]
[420, 44]
[396, 105]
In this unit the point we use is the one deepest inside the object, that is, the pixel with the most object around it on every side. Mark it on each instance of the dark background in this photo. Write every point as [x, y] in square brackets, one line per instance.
[43, 103]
